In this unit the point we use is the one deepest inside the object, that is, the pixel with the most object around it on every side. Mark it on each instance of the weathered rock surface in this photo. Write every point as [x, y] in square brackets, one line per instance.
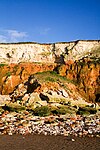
[47, 88]
[56, 52]
[86, 74]
[13, 74]
[51, 88]
[78, 61]
[4, 99]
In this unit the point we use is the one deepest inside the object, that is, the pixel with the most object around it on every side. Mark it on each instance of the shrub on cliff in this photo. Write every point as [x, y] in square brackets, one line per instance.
[86, 111]
[2, 65]
[42, 111]
[13, 107]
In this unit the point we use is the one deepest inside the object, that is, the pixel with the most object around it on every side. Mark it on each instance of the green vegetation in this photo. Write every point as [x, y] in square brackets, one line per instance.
[50, 79]
[86, 110]
[1, 110]
[45, 54]
[51, 76]
[8, 74]
[41, 111]
[47, 110]
[2, 65]
[13, 108]
[62, 110]
[15, 69]
[82, 63]
[95, 60]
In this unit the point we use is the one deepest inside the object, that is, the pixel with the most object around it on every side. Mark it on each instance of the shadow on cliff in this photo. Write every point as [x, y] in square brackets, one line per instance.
[32, 84]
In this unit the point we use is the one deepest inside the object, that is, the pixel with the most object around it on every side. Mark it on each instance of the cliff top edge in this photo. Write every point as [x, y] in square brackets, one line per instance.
[50, 43]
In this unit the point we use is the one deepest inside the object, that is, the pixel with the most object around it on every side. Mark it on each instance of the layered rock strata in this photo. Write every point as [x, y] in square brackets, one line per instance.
[56, 52]
[78, 61]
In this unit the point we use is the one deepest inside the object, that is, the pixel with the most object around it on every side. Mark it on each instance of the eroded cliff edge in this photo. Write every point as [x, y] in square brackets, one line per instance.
[55, 52]
[78, 61]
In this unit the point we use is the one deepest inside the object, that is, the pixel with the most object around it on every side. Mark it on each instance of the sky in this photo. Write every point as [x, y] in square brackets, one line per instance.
[49, 21]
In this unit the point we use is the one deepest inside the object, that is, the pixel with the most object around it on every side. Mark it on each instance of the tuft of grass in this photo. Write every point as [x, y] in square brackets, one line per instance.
[46, 110]
[42, 111]
[86, 111]
[62, 110]
[51, 76]
[50, 79]
[45, 54]
[15, 68]
[13, 108]
[82, 63]
[1, 110]
[2, 65]
[8, 74]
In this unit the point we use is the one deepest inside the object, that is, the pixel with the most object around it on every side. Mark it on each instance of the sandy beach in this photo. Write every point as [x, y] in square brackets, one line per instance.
[41, 142]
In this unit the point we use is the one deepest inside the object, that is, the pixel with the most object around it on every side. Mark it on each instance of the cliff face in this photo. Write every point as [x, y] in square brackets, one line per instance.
[13, 74]
[78, 61]
[86, 74]
[57, 52]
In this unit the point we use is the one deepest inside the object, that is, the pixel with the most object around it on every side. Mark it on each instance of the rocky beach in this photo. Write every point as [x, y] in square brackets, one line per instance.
[52, 132]
[25, 123]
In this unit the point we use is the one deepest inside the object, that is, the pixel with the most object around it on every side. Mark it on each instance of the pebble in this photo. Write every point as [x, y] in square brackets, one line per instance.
[9, 133]
[61, 125]
[73, 140]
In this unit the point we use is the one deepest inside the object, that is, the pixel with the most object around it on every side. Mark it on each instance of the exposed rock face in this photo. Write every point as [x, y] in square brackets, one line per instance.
[86, 74]
[61, 81]
[14, 74]
[35, 92]
[15, 53]
[57, 52]
[78, 61]
[4, 98]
